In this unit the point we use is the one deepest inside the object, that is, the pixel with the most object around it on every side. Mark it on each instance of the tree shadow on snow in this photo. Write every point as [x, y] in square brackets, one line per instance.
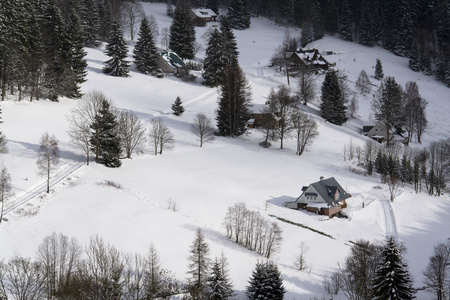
[281, 201]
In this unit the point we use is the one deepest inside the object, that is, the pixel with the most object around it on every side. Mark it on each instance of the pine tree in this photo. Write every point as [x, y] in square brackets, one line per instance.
[90, 21]
[414, 58]
[345, 22]
[229, 50]
[218, 285]
[392, 279]
[182, 34]
[214, 62]
[378, 70]
[198, 266]
[266, 283]
[238, 14]
[78, 53]
[105, 19]
[213, 5]
[234, 102]
[177, 107]
[307, 35]
[332, 107]
[145, 52]
[117, 49]
[105, 140]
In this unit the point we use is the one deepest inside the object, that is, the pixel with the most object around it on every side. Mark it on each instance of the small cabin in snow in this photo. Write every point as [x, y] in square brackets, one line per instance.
[170, 62]
[324, 197]
[201, 16]
[376, 132]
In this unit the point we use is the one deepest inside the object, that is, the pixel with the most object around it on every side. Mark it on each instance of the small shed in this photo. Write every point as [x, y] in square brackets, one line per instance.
[170, 62]
[201, 16]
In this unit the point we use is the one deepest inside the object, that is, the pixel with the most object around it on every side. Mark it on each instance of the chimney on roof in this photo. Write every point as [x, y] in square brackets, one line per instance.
[321, 177]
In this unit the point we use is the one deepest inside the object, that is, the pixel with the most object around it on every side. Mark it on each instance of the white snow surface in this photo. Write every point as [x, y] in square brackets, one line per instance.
[204, 182]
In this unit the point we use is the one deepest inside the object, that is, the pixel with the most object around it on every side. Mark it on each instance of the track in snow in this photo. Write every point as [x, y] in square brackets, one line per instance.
[58, 177]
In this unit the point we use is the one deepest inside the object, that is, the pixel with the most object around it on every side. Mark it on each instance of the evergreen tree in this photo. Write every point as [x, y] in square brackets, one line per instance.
[218, 285]
[105, 140]
[234, 102]
[345, 22]
[392, 279]
[117, 49]
[387, 106]
[413, 58]
[238, 14]
[104, 12]
[307, 35]
[378, 70]
[198, 266]
[90, 21]
[332, 107]
[78, 53]
[405, 27]
[214, 62]
[145, 53]
[229, 50]
[182, 34]
[177, 107]
[266, 283]
[369, 27]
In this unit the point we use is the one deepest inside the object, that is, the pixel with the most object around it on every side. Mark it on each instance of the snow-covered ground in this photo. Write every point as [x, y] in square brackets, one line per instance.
[204, 182]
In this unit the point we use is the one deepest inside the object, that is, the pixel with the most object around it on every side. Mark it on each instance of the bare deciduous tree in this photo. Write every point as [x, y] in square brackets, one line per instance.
[437, 272]
[131, 14]
[353, 106]
[160, 136]
[165, 38]
[300, 258]
[306, 129]
[134, 276]
[306, 91]
[393, 182]
[153, 26]
[131, 132]
[370, 153]
[48, 157]
[5, 189]
[81, 118]
[203, 129]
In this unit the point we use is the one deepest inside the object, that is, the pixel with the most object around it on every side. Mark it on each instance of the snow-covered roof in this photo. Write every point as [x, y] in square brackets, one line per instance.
[204, 12]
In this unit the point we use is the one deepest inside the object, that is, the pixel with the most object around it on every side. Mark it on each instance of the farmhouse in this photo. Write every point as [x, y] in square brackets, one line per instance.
[201, 16]
[309, 59]
[324, 197]
[376, 132]
[170, 62]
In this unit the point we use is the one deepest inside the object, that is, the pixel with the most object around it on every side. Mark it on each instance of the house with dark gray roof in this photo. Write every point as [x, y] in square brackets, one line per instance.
[170, 62]
[324, 197]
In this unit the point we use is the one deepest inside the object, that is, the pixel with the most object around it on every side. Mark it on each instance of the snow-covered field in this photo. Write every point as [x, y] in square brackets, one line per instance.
[204, 182]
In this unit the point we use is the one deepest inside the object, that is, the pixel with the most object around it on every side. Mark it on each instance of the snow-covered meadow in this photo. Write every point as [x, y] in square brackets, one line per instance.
[204, 182]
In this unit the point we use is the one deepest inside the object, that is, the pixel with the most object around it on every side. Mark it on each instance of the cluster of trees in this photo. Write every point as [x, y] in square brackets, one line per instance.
[376, 271]
[417, 29]
[251, 230]
[400, 110]
[399, 164]
[63, 269]
[284, 119]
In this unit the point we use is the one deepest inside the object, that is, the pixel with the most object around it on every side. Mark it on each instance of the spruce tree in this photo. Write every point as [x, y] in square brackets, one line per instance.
[218, 284]
[214, 62]
[414, 58]
[378, 70]
[117, 49]
[177, 107]
[145, 53]
[182, 34]
[332, 107]
[198, 266]
[238, 14]
[234, 103]
[266, 283]
[213, 5]
[230, 51]
[90, 21]
[345, 22]
[105, 140]
[78, 53]
[392, 279]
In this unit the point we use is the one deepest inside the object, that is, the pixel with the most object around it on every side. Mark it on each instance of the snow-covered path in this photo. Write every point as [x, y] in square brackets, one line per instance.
[389, 217]
[41, 188]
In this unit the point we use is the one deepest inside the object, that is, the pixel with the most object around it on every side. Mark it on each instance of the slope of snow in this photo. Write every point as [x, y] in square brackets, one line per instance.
[204, 182]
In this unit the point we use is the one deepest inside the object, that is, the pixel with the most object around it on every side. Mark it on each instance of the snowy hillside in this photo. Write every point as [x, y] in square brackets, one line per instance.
[204, 182]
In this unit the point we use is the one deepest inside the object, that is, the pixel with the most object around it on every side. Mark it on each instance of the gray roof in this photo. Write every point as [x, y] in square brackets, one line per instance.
[326, 188]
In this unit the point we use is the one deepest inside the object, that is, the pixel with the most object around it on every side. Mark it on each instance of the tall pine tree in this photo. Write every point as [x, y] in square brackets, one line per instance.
[219, 286]
[214, 62]
[198, 266]
[238, 14]
[392, 279]
[105, 140]
[182, 34]
[117, 49]
[145, 52]
[234, 102]
[230, 51]
[332, 107]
